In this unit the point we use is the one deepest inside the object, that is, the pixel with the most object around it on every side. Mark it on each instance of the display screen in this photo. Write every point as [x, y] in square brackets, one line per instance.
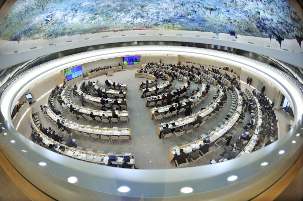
[73, 72]
[131, 60]
[29, 96]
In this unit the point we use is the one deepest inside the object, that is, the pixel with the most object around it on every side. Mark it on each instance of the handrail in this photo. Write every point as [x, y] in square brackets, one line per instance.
[153, 183]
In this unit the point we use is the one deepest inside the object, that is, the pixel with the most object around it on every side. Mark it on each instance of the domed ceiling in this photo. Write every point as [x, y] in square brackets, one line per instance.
[28, 19]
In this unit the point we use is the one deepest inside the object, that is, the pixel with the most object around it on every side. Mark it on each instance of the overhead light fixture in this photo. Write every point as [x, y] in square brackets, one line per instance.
[232, 178]
[263, 164]
[123, 189]
[42, 163]
[72, 179]
[186, 190]
[281, 152]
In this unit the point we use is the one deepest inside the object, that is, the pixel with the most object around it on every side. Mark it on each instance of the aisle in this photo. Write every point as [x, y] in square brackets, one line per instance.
[149, 150]
[145, 144]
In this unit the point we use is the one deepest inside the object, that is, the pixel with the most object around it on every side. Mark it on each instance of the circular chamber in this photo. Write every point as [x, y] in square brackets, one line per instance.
[161, 172]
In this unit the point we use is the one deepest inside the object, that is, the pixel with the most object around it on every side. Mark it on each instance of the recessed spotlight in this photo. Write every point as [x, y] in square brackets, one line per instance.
[13, 141]
[186, 190]
[294, 141]
[23, 150]
[42, 163]
[72, 179]
[3, 127]
[232, 178]
[281, 152]
[5, 133]
[263, 164]
[298, 134]
[123, 189]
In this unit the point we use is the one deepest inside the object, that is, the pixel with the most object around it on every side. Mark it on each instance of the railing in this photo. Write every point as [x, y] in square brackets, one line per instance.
[227, 176]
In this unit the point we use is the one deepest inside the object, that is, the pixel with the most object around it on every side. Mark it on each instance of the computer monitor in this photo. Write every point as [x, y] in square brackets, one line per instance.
[131, 60]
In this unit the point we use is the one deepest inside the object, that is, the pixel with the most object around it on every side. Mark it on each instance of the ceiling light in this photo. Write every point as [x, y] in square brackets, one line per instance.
[123, 189]
[186, 190]
[72, 179]
[263, 164]
[232, 178]
[42, 163]
[281, 152]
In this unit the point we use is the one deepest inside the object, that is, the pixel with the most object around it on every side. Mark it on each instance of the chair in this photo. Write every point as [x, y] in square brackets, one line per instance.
[174, 113]
[105, 120]
[167, 135]
[168, 114]
[158, 117]
[124, 119]
[95, 136]
[179, 133]
[197, 125]
[114, 120]
[194, 155]
[124, 137]
[189, 131]
[151, 104]
[114, 137]
[104, 137]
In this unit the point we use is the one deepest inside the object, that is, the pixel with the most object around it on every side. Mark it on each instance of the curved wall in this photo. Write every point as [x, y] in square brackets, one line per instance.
[101, 183]
[12, 52]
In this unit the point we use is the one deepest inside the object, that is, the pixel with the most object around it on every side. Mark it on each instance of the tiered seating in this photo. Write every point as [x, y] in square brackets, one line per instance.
[103, 102]
[52, 98]
[116, 86]
[146, 75]
[192, 151]
[187, 123]
[269, 129]
[167, 97]
[179, 72]
[110, 115]
[159, 88]
[147, 84]
[254, 138]
[124, 160]
[97, 132]
[180, 106]
[170, 91]
[92, 88]
[153, 71]
[47, 131]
